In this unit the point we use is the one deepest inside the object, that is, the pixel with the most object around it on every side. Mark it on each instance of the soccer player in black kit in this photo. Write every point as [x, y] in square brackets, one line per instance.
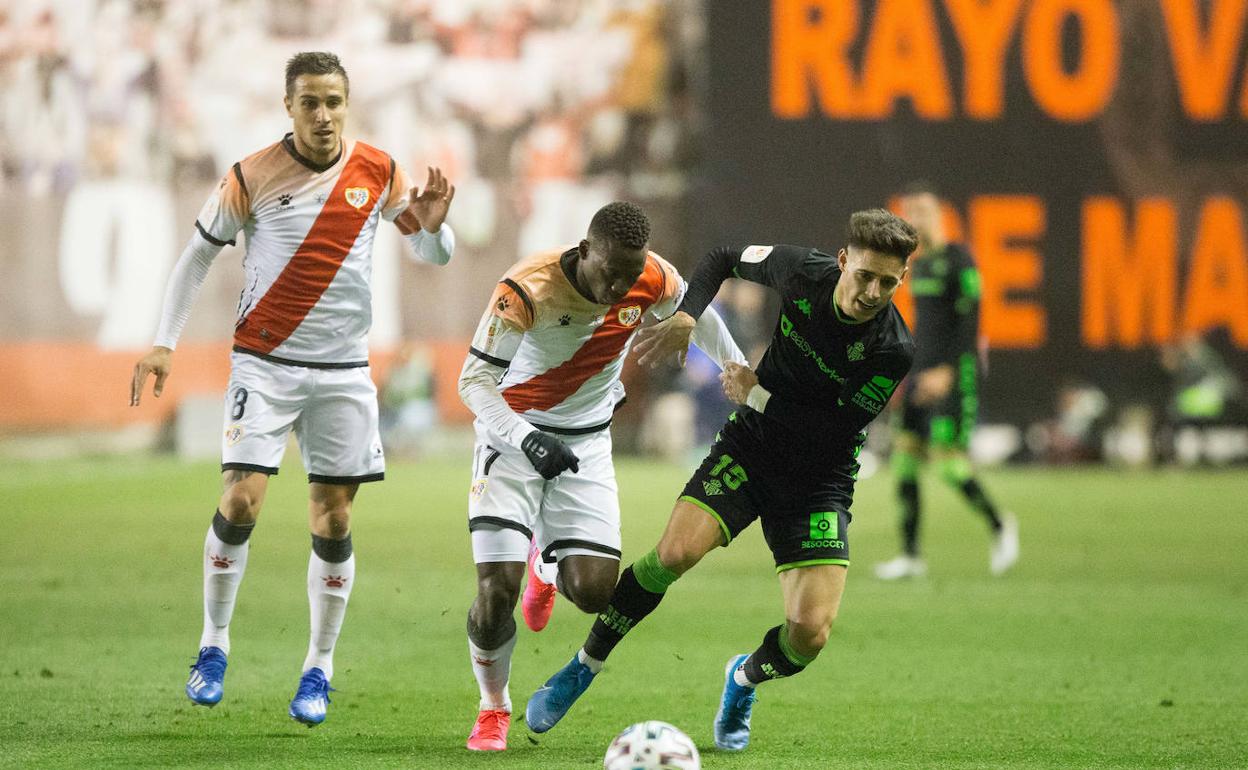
[788, 456]
[940, 400]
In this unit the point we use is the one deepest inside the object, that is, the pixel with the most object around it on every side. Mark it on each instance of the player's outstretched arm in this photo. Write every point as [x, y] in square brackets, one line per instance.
[158, 361]
[712, 337]
[184, 284]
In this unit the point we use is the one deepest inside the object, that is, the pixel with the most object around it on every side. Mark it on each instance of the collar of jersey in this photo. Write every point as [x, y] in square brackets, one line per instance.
[844, 318]
[288, 142]
[565, 265]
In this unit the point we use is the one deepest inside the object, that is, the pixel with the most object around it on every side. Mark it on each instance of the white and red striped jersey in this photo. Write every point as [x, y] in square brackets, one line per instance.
[563, 354]
[309, 241]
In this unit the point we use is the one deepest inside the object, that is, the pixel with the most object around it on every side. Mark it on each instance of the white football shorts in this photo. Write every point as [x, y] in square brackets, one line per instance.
[332, 411]
[574, 513]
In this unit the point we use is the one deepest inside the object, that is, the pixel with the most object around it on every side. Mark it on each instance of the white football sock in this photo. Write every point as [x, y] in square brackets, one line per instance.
[740, 678]
[492, 668]
[592, 663]
[329, 588]
[223, 571]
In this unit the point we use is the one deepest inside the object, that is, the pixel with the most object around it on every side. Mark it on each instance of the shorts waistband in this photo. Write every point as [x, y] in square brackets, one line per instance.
[572, 431]
[304, 364]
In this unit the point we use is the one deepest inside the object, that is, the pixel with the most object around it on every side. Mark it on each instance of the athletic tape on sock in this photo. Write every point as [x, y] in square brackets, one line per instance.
[955, 470]
[333, 551]
[795, 657]
[652, 575]
[229, 532]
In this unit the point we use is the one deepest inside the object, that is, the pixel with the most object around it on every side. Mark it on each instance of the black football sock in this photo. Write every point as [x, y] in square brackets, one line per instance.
[638, 592]
[775, 658]
[978, 498]
[908, 492]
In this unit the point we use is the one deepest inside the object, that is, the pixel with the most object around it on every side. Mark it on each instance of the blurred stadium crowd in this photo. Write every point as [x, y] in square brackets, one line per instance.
[540, 110]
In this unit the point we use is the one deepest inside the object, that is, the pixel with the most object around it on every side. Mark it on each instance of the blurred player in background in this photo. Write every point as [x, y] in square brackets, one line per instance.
[940, 401]
[309, 206]
[788, 457]
[543, 378]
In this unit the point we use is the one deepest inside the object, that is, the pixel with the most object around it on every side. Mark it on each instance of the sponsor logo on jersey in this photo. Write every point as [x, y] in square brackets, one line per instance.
[283, 202]
[221, 562]
[754, 254]
[630, 315]
[356, 196]
[334, 581]
[875, 394]
[565, 319]
[786, 329]
[233, 434]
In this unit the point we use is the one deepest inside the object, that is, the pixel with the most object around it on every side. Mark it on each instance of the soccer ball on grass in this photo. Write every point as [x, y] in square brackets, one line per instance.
[652, 745]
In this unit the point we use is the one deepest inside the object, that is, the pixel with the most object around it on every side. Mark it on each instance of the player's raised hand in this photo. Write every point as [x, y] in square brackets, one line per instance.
[665, 339]
[427, 209]
[738, 380]
[158, 362]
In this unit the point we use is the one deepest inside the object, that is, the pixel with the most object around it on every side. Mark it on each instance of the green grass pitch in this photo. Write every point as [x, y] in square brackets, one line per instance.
[1121, 639]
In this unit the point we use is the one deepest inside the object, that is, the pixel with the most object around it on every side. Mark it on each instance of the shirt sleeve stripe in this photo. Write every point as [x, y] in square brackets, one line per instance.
[489, 359]
[207, 237]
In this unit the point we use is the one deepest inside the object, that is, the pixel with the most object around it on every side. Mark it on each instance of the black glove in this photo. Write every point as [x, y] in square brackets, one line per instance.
[549, 455]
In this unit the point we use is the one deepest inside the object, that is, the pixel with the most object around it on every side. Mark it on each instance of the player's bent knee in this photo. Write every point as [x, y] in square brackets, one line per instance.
[590, 596]
[810, 630]
[239, 506]
[679, 555]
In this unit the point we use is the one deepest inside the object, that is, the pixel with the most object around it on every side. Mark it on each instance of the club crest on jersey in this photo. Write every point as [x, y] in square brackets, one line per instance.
[233, 434]
[630, 315]
[356, 196]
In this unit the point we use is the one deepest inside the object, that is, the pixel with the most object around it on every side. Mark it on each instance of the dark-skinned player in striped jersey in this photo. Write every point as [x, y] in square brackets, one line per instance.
[940, 400]
[788, 456]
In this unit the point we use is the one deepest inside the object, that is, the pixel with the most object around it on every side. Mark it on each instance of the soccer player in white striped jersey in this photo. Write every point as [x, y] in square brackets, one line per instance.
[543, 378]
[309, 206]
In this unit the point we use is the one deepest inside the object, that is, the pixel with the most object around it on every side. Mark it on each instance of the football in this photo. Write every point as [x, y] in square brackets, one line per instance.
[652, 745]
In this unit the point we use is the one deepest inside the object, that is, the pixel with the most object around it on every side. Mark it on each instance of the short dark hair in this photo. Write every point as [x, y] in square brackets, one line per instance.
[919, 187]
[882, 231]
[314, 63]
[622, 223]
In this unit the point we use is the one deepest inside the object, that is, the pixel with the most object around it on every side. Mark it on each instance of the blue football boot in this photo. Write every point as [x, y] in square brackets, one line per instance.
[205, 685]
[553, 699]
[732, 721]
[312, 699]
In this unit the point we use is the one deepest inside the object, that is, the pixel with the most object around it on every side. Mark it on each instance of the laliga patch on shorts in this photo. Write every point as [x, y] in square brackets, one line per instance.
[356, 196]
[233, 434]
[755, 253]
[477, 489]
[630, 315]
